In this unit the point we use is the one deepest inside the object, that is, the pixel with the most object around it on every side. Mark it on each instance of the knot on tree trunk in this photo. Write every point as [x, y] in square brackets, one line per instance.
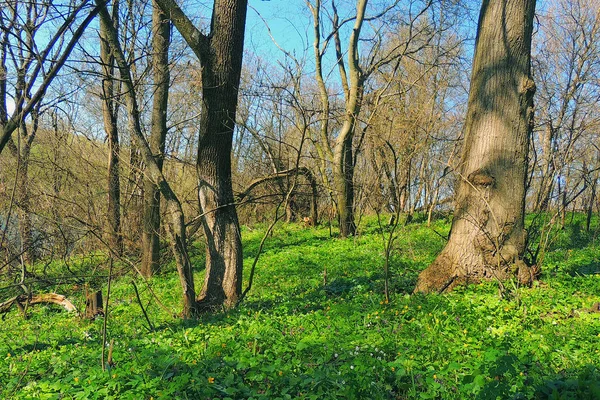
[482, 178]
[527, 86]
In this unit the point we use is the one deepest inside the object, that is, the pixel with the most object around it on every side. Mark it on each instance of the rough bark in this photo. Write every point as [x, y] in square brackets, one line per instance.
[109, 113]
[220, 82]
[220, 54]
[94, 305]
[158, 134]
[487, 239]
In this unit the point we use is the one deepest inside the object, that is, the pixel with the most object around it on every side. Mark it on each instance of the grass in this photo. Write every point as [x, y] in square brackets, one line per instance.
[299, 336]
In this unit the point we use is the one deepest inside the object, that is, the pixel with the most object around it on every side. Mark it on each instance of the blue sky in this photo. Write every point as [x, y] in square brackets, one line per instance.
[288, 20]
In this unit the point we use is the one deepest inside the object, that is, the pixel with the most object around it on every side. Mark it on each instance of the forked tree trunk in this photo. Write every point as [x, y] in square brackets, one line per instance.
[487, 239]
[353, 79]
[222, 65]
[220, 54]
[160, 65]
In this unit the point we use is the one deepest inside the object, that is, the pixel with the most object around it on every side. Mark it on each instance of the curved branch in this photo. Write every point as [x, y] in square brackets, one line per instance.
[282, 174]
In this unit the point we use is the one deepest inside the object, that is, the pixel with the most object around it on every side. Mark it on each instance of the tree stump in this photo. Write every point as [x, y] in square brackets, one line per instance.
[93, 304]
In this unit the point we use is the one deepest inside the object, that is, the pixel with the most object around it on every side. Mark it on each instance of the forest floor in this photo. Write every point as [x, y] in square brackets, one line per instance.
[300, 334]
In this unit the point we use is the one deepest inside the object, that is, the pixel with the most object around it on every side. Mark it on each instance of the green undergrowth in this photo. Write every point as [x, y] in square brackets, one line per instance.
[315, 325]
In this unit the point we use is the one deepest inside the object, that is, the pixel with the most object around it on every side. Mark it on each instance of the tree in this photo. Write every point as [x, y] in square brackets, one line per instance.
[487, 238]
[177, 229]
[35, 41]
[220, 54]
[354, 74]
[160, 66]
[110, 110]
[566, 71]
[274, 122]
[43, 62]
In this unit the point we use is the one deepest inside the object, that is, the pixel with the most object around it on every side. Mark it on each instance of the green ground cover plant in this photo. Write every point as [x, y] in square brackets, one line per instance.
[316, 326]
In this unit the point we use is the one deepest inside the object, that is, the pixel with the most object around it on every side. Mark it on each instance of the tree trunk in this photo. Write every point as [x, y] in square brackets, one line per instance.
[220, 54]
[220, 82]
[22, 154]
[223, 279]
[109, 112]
[158, 134]
[343, 162]
[344, 185]
[547, 170]
[487, 239]
[590, 205]
[24, 203]
[353, 79]
[176, 229]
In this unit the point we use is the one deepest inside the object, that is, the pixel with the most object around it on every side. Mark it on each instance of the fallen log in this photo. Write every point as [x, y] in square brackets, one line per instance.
[51, 298]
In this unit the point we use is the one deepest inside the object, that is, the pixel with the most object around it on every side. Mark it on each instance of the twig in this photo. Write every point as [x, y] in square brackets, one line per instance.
[137, 295]
[106, 314]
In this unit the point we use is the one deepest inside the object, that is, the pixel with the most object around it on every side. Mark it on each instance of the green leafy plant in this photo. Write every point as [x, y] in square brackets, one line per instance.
[294, 337]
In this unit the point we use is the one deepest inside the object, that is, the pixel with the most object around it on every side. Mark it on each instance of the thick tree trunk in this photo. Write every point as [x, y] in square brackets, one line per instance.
[158, 134]
[220, 82]
[487, 239]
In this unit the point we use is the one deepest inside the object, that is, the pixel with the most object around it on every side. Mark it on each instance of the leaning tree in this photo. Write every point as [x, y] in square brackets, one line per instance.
[487, 239]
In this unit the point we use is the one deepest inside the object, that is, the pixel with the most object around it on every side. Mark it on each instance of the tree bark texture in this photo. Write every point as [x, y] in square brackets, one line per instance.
[487, 239]
[222, 66]
[220, 54]
[160, 66]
